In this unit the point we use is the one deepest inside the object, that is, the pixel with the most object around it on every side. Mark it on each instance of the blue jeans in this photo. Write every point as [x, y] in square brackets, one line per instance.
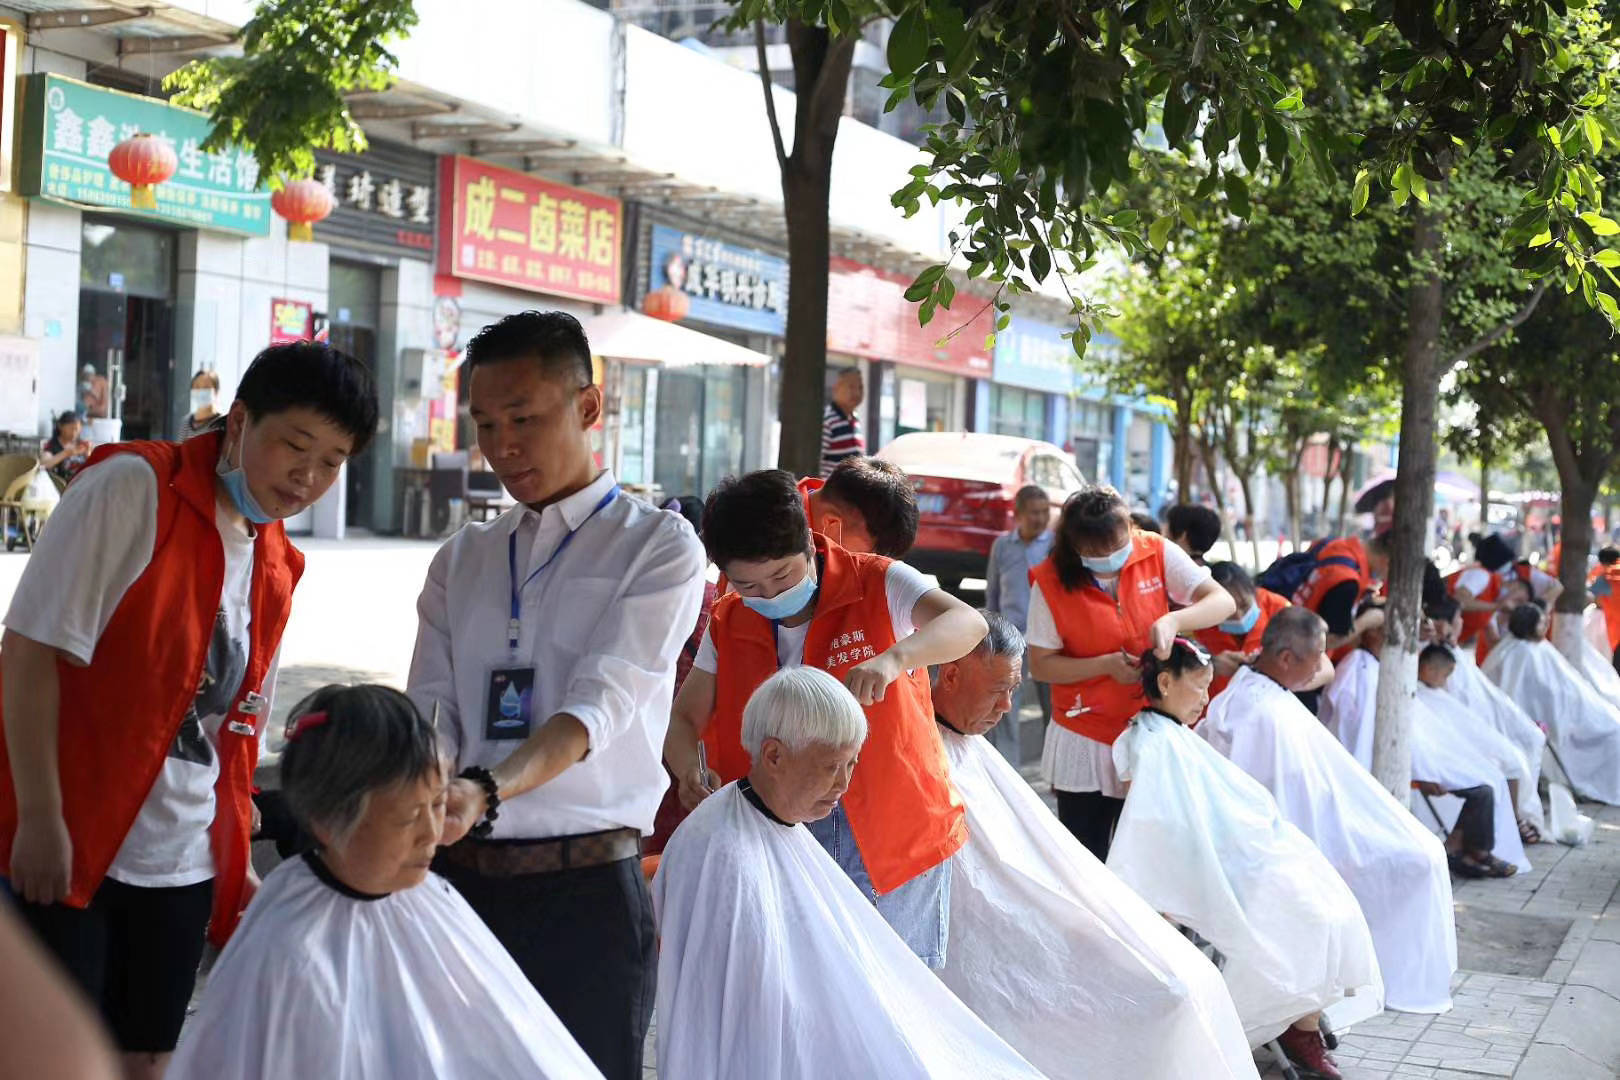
[919, 910]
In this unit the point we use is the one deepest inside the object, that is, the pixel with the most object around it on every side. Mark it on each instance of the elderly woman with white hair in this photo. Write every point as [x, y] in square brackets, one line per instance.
[772, 963]
[355, 961]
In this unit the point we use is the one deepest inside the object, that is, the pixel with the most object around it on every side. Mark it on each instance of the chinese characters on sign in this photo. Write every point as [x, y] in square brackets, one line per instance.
[382, 199]
[868, 315]
[291, 320]
[512, 229]
[727, 285]
[69, 129]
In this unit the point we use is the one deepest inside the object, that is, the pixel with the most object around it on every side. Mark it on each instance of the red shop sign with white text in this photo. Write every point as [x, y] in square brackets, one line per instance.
[869, 316]
[509, 228]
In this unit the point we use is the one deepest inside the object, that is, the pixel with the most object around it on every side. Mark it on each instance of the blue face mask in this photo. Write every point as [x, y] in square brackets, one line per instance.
[1111, 564]
[785, 604]
[236, 486]
[1241, 626]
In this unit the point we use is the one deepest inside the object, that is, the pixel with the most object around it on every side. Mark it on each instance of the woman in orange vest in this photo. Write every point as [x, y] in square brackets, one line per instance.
[1606, 589]
[800, 599]
[1100, 600]
[137, 668]
[1233, 643]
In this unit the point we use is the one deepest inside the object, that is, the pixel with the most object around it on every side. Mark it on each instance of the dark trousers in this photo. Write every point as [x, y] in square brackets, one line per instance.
[1616, 658]
[1091, 817]
[1477, 822]
[585, 939]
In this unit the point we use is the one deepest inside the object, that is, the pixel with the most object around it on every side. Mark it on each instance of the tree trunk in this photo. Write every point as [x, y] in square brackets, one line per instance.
[1347, 472]
[1183, 455]
[1246, 485]
[821, 65]
[1576, 505]
[1330, 469]
[1414, 504]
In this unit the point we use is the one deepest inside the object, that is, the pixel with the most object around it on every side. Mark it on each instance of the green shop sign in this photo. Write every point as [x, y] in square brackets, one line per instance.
[69, 128]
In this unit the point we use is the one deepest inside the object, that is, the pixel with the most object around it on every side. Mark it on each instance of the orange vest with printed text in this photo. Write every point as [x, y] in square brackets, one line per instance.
[1091, 623]
[1218, 641]
[120, 714]
[902, 807]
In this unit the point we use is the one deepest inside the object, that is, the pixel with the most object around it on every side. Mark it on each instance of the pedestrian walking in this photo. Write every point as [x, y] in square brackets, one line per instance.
[840, 422]
[1006, 592]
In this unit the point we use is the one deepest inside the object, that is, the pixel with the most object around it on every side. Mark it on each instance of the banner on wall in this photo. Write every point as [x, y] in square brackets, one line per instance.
[869, 316]
[291, 320]
[722, 284]
[509, 228]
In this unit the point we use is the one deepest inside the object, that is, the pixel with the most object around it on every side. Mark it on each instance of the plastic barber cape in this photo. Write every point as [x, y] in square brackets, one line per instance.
[318, 982]
[1485, 704]
[1347, 704]
[772, 964]
[1583, 724]
[1396, 868]
[1060, 958]
[1202, 842]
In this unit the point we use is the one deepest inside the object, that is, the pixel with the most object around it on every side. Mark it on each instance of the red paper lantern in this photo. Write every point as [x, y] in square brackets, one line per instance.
[668, 304]
[302, 203]
[143, 161]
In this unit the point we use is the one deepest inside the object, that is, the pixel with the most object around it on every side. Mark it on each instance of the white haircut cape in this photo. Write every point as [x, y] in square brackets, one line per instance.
[1583, 723]
[1204, 843]
[1347, 707]
[1396, 868]
[1060, 958]
[1484, 704]
[413, 986]
[772, 964]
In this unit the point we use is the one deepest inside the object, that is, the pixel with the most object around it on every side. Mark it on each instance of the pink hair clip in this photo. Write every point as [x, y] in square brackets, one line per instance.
[304, 723]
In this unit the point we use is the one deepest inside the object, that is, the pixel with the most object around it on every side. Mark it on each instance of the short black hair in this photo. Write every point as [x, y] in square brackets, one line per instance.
[1231, 576]
[1028, 494]
[1199, 524]
[313, 375]
[1492, 552]
[881, 493]
[553, 339]
[1184, 657]
[1436, 653]
[69, 417]
[755, 517]
[373, 737]
[1442, 608]
[1523, 621]
[1094, 514]
[1608, 556]
[1146, 522]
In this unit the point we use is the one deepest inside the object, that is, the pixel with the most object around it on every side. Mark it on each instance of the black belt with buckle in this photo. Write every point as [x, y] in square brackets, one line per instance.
[511, 858]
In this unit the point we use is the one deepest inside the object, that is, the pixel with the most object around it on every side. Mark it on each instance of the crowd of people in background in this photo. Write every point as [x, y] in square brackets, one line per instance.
[743, 765]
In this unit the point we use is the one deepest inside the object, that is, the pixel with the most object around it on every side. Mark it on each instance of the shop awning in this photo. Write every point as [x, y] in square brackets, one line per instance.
[629, 335]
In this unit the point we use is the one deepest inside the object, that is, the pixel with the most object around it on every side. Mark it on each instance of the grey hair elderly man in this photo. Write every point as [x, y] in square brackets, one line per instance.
[771, 962]
[1395, 867]
[1046, 945]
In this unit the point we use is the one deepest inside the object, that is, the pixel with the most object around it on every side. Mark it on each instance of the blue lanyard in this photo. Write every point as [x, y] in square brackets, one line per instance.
[515, 624]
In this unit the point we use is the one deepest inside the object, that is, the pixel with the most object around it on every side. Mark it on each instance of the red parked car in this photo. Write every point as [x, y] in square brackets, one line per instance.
[965, 483]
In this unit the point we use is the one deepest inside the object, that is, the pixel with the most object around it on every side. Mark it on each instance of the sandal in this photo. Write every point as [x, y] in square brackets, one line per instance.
[1497, 868]
[1464, 867]
[1529, 833]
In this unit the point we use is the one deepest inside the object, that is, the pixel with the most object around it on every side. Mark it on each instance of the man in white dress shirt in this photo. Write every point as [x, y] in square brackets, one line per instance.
[547, 640]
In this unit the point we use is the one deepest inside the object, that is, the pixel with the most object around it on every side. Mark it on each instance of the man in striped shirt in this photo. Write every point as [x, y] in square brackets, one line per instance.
[840, 424]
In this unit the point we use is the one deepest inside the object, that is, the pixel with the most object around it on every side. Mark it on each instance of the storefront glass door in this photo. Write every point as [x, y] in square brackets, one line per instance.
[126, 327]
[352, 318]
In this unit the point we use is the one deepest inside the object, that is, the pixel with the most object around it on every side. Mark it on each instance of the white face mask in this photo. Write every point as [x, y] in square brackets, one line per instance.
[201, 399]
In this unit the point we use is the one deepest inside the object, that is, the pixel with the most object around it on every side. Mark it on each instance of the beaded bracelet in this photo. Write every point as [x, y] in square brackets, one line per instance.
[492, 799]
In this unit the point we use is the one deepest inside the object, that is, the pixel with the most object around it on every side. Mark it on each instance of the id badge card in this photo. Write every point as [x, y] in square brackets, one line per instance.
[509, 703]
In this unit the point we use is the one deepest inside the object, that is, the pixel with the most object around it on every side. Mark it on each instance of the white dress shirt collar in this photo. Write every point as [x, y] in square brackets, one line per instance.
[573, 509]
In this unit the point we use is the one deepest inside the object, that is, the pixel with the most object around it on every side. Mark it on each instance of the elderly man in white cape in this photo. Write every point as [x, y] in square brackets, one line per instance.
[1583, 723]
[354, 961]
[1483, 706]
[771, 962]
[1395, 867]
[1463, 790]
[1204, 843]
[1046, 946]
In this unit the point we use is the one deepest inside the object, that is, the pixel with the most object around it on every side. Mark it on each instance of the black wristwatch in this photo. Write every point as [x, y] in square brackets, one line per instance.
[492, 800]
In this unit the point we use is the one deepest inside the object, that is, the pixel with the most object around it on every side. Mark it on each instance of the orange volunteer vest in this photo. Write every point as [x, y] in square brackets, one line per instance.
[1217, 640]
[902, 807]
[120, 714]
[1475, 622]
[1330, 575]
[1611, 605]
[1092, 623]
